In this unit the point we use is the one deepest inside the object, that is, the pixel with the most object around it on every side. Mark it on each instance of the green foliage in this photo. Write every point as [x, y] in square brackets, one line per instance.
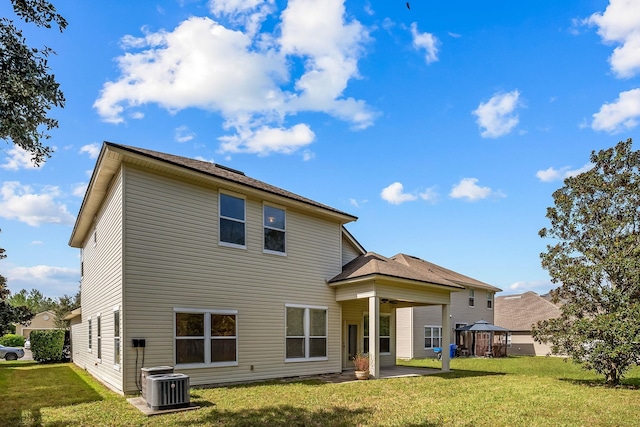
[595, 259]
[27, 88]
[12, 340]
[34, 300]
[47, 345]
[64, 306]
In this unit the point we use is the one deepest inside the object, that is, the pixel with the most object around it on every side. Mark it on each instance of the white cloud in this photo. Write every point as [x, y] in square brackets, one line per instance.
[552, 174]
[51, 281]
[245, 74]
[429, 195]
[80, 189]
[267, 140]
[247, 14]
[540, 286]
[426, 41]
[17, 159]
[394, 194]
[93, 150]
[37, 242]
[468, 189]
[21, 203]
[619, 115]
[620, 24]
[497, 116]
[357, 203]
[183, 134]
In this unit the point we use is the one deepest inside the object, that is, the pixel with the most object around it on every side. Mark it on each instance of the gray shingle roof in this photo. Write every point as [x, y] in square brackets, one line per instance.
[520, 312]
[406, 267]
[445, 273]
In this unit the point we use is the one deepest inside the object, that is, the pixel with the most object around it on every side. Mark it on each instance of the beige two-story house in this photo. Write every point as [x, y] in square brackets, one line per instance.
[197, 266]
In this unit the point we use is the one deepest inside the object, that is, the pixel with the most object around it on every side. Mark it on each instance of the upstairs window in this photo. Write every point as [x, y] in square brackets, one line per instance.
[472, 298]
[232, 220]
[489, 300]
[274, 229]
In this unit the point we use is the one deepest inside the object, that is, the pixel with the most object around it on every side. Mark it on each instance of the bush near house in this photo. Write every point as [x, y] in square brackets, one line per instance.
[47, 345]
[12, 340]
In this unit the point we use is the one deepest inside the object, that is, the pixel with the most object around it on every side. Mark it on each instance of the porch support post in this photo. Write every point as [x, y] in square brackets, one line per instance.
[374, 336]
[446, 336]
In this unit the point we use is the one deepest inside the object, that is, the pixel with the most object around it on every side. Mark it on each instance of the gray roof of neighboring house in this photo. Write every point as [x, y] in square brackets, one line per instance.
[520, 312]
[406, 267]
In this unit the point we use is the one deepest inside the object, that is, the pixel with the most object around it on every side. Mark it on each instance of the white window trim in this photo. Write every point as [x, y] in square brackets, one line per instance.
[268, 251]
[207, 336]
[366, 314]
[490, 298]
[440, 336]
[116, 366]
[220, 216]
[307, 335]
[472, 294]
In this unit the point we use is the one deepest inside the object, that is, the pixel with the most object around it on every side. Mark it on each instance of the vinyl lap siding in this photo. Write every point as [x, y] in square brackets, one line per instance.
[173, 260]
[460, 313]
[101, 289]
[349, 252]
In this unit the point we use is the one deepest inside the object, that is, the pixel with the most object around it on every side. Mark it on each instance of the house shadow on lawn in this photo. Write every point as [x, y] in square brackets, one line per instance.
[285, 415]
[31, 387]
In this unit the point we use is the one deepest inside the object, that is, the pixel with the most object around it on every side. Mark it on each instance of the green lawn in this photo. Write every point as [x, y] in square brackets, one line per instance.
[517, 391]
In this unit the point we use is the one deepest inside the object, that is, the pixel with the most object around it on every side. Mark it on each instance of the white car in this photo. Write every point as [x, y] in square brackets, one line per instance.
[11, 353]
[27, 344]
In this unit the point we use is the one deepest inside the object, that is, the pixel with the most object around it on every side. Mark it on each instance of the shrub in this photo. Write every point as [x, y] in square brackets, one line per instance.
[12, 340]
[47, 345]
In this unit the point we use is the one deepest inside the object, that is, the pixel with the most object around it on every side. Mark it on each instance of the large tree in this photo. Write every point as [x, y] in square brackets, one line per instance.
[595, 260]
[28, 90]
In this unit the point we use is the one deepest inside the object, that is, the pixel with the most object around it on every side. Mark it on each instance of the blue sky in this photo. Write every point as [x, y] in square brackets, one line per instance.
[445, 127]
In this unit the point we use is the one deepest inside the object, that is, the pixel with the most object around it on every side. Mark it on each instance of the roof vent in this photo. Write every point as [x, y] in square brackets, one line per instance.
[513, 297]
[228, 169]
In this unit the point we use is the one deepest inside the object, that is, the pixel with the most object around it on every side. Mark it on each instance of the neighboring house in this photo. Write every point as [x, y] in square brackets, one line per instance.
[41, 321]
[191, 264]
[519, 313]
[420, 329]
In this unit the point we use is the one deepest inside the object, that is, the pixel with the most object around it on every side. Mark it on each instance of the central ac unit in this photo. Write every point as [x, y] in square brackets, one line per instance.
[167, 391]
